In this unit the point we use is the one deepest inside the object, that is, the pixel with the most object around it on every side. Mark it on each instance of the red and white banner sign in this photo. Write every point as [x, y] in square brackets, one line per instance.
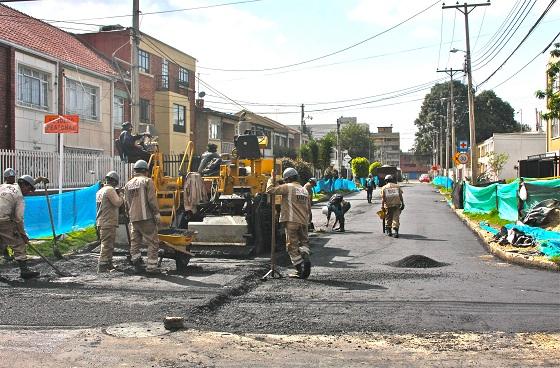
[61, 124]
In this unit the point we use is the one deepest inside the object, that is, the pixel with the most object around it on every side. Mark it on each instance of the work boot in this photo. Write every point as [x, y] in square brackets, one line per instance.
[341, 227]
[389, 232]
[105, 267]
[153, 271]
[396, 230]
[139, 266]
[306, 268]
[298, 272]
[25, 271]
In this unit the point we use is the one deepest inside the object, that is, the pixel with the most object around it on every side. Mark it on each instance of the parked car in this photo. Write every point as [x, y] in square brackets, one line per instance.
[424, 178]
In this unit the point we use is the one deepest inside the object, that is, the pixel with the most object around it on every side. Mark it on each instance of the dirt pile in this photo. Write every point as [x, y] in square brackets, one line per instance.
[417, 261]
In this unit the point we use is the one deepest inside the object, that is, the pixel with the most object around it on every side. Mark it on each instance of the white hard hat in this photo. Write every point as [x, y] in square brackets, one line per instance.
[290, 172]
[141, 165]
[27, 179]
[325, 210]
[113, 175]
[9, 172]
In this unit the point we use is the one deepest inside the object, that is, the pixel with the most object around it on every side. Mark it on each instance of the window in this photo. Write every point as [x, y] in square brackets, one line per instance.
[214, 129]
[165, 74]
[118, 111]
[145, 111]
[179, 118]
[555, 128]
[82, 99]
[33, 88]
[183, 76]
[144, 61]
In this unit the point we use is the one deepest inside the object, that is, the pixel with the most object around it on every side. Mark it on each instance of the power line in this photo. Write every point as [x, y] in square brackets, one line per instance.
[329, 54]
[520, 43]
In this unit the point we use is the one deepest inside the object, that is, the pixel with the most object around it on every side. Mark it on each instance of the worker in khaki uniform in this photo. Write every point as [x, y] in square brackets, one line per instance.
[12, 231]
[309, 187]
[294, 214]
[392, 202]
[108, 203]
[143, 211]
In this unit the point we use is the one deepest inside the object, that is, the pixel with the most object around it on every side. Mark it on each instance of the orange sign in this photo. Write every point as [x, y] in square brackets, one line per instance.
[61, 124]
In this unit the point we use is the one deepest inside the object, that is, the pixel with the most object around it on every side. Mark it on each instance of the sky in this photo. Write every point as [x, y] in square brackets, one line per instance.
[385, 75]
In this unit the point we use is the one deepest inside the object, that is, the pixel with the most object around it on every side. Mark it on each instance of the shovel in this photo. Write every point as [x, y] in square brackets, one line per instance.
[56, 252]
[56, 269]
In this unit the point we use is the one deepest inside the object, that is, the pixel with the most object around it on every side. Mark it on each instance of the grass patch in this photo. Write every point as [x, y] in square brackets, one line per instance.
[555, 259]
[71, 242]
[492, 218]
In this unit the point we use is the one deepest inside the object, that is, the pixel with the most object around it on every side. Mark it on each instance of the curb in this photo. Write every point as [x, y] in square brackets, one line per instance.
[503, 255]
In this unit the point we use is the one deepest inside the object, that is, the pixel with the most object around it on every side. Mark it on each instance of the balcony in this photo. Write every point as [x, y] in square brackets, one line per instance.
[171, 84]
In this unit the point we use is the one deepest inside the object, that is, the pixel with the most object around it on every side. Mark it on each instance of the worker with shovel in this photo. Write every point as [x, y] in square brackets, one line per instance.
[294, 213]
[12, 231]
[108, 203]
[143, 212]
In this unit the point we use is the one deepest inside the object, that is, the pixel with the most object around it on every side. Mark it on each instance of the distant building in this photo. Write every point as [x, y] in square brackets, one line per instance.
[516, 145]
[413, 164]
[214, 127]
[318, 131]
[387, 146]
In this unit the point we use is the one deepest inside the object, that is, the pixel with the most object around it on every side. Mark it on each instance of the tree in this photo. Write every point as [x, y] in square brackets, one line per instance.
[314, 152]
[493, 115]
[356, 139]
[303, 168]
[551, 92]
[374, 166]
[497, 161]
[360, 166]
[305, 153]
[326, 145]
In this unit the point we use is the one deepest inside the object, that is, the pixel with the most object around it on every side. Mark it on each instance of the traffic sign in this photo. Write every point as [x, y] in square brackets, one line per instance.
[463, 158]
[61, 124]
[463, 146]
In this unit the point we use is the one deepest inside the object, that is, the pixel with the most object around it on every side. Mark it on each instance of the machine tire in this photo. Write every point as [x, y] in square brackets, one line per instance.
[214, 193]
[181, 262]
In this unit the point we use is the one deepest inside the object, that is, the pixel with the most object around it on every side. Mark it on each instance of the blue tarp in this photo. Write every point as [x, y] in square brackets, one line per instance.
[548, 241]
[507, 201]
[479, 199]
[77, 212]
[443, 181]
[332, 185]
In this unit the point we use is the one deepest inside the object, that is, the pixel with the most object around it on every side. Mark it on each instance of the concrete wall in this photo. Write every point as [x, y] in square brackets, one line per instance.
[28, 120]
[94, 134]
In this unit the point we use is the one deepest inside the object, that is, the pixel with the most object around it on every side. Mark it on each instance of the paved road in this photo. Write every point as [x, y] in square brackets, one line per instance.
[353, 289]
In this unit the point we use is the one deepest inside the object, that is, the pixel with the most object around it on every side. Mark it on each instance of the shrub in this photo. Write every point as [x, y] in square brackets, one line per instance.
[360, 167]
[303, 168]
[374, 166]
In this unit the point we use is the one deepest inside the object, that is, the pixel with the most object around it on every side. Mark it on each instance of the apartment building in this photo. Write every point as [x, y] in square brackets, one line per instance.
[214, 127]
[387, 146]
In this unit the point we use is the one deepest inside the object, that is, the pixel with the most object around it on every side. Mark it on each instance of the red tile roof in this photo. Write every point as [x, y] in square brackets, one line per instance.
[21, 29]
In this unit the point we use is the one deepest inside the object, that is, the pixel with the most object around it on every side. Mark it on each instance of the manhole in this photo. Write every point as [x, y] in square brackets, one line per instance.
[139, 329]
[417, 261]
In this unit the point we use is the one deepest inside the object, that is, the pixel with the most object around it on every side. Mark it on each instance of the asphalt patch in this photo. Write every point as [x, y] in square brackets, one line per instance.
[417, 261]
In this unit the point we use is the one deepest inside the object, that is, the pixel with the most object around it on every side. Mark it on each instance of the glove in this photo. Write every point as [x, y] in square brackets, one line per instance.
[402, 206]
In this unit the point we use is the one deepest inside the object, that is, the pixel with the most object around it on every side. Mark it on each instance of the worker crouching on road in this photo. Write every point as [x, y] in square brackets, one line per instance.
[392, 202]
[295, 215]
[309, 187]
[339, 207]
[12, 231]
[143, 211]
[108, 203]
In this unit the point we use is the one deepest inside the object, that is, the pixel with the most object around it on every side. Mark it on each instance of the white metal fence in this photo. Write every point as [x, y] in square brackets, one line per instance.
[80, 170]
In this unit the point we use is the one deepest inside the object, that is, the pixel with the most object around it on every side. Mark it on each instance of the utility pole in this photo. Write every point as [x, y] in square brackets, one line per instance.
[338, 151]
[451, 140]
[135, 69]
[302, 128]
[466, 9]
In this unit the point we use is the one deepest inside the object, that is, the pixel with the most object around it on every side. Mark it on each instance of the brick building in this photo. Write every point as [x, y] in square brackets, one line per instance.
[166, 81]
[44, 70]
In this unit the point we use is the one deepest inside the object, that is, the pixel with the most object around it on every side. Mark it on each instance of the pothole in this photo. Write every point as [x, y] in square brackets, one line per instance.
[417, 261]
[137, 329]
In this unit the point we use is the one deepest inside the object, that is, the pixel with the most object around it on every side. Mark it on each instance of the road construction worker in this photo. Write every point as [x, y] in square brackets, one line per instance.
[339, 207]
[143, 212]
[309, 187]
[392, 203]
[370, 186]
[12, 231]
[207, 157]
[9, 176]
[129, 145]
[107, 202]
[294, 213]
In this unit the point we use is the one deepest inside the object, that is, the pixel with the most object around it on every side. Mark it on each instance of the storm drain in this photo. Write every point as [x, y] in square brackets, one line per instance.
[139, 329]
[417, 261]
